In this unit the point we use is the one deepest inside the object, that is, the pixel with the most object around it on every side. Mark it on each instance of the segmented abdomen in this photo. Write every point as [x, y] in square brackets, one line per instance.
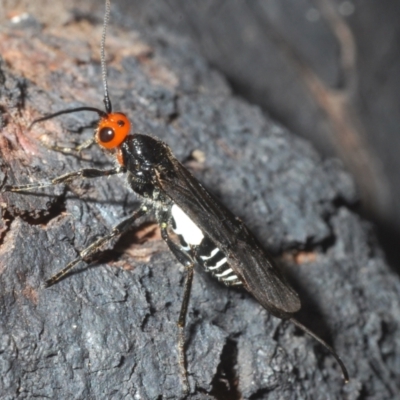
[208, 255]
[215, 262]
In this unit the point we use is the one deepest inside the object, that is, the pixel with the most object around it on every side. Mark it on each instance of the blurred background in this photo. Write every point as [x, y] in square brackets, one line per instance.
[326, 69]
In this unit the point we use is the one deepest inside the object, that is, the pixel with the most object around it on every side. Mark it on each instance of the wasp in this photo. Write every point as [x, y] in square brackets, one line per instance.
[210, 236]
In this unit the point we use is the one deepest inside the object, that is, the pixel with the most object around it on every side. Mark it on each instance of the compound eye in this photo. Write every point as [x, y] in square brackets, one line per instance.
[106, 134]
[112, 130]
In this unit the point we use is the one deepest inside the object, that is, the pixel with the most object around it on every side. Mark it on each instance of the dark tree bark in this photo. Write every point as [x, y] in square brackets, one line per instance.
[109, 329]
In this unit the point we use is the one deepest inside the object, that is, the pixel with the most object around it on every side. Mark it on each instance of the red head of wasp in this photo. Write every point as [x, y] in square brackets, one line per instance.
[210, 235]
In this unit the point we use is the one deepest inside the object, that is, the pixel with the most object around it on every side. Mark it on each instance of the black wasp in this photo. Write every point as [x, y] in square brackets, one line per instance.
[210, 235]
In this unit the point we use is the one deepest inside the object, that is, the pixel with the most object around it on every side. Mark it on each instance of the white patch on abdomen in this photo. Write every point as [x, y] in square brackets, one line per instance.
[213, 253]
[186, 227]
[218, 264]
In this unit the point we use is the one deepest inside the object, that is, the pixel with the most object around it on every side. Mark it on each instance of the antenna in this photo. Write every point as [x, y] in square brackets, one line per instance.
[101, 113]
[107, 101]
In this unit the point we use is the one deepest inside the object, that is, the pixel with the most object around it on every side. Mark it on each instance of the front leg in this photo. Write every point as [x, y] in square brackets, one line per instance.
[69, 150]
[82, 173]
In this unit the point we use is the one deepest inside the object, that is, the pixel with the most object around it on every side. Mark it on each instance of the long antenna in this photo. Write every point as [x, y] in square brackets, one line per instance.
[326, 345]
[101, 113]
[107, 101]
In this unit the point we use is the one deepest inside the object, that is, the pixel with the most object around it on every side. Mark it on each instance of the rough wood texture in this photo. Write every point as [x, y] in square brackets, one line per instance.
[109, 330]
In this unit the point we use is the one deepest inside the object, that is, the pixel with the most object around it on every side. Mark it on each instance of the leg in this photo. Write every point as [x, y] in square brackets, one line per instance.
[69, 150]
[186, 259]
[94, 247]
[82, 173]
[181, 326]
